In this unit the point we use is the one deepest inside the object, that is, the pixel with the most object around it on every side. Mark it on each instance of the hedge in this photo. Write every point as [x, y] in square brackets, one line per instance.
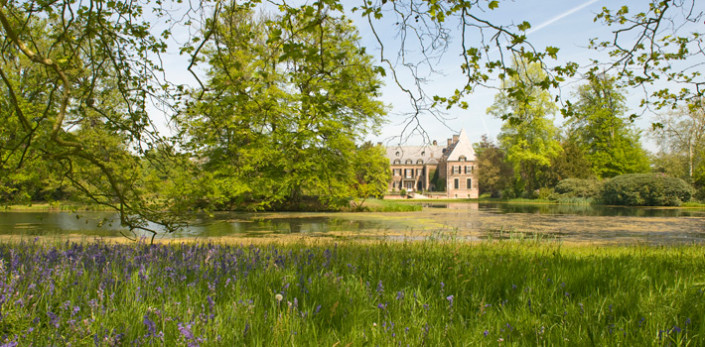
[645, 190]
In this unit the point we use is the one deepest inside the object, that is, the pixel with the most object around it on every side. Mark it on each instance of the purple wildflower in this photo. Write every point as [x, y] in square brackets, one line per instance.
[185, 331]
[151, 327]
[54, 319]
[450, 300]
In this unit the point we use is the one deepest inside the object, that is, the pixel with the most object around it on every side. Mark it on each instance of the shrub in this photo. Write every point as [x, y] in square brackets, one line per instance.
[646, 190]
[578, 188]
[545, 193]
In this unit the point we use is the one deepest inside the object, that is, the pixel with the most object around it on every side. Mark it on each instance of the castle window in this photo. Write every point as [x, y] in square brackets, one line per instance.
[419, 162]
[468, 169]
[397, 161]
[409, 161]
[469, 183]
[462, 158]
[456, 183]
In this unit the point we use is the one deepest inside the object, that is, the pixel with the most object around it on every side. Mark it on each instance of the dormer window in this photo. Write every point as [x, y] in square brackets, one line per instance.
[397, 161]
[409, 162]
[462, 158]
[419, 162]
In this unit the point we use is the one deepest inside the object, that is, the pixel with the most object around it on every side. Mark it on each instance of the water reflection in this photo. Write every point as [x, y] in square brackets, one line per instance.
[463, 221]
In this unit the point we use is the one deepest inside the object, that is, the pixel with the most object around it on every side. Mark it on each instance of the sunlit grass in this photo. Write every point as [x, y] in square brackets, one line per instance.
[56, 206]
[415, 293]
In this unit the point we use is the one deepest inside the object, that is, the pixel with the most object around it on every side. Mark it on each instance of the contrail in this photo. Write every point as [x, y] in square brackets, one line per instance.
[560, 16]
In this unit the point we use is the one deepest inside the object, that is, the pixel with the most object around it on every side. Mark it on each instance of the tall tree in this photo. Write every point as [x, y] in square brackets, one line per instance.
[601, 130]
[286, 99]
[571, 163]
[682, 133]
[77, 78]
[528, 135]
[681, 138]
[494, 173]
[372, 172]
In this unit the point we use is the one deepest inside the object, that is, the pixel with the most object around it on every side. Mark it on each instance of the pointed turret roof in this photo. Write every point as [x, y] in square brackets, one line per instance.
[462, 147]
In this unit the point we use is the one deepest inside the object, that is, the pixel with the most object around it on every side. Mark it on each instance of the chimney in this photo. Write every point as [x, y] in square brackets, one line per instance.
[455, 138]
[450, 142]
[435, 143]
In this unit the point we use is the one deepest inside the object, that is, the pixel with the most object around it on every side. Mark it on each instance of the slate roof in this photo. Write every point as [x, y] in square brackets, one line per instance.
[430, 154]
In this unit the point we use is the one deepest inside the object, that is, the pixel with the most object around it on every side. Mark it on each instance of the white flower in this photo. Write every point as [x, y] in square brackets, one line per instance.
[279, 297]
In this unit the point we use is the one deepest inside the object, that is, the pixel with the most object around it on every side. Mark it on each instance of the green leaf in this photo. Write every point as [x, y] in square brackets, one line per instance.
[524, 26]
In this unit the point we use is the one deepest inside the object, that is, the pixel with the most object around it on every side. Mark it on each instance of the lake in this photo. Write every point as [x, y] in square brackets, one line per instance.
[443, 221]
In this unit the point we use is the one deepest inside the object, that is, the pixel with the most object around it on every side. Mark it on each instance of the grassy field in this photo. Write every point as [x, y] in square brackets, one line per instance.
[416, 293]
[55, 206]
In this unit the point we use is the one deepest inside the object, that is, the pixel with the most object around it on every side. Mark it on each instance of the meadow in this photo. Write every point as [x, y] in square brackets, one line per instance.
[427, 293]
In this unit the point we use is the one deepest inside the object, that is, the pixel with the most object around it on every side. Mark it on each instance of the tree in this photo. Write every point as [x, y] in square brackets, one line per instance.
[494, 173]
[601, 132]
[528, 136]
[682, 132]
[286, 99]
[77, 78]
[681, 138]
[372, 172]
[571, 163]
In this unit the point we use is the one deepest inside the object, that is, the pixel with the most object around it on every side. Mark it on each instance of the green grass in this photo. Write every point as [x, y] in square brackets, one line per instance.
[56, 206]
[416, 293]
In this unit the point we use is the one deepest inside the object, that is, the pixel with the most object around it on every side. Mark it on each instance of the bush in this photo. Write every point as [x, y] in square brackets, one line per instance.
[578, 188]
[646, 190]
[545, 193]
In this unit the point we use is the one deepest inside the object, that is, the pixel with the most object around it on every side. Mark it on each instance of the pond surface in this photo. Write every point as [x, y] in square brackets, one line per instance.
[464, 221]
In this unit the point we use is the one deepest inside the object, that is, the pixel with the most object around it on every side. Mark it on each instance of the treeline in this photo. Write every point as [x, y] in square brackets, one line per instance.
[595, 153]
[277, 124]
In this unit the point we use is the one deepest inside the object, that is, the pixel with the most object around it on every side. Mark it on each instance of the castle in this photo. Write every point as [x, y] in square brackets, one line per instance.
[435, 168]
